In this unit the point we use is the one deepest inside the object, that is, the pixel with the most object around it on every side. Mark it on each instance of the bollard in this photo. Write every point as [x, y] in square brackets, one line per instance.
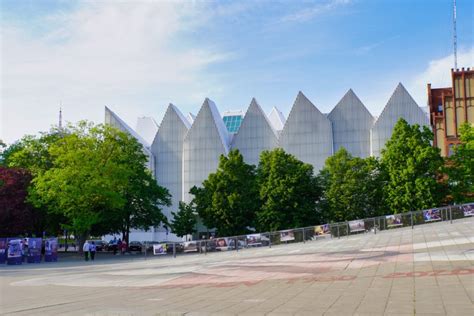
[304, 237]
[411, 219]
[146, 249]
[338, 235]
[348, 230]
[451, 214]
[375, 228]
[236, 243]
[174, 250]
[269, 240]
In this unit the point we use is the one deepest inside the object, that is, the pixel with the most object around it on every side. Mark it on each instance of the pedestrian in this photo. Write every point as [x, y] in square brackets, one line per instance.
[86, 249]
[124, 247]
[118, 246]
[92, 249]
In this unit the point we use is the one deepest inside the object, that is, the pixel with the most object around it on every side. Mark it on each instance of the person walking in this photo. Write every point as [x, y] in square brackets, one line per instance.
[86, 249]
[92, 250]
[124, 247]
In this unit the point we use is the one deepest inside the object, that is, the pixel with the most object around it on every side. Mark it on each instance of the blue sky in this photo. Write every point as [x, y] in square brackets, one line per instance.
[138, 56]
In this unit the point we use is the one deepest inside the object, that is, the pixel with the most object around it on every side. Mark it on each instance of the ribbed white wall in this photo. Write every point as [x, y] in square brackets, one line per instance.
[351, 123]
[400, 105]
[167, 147]
[307, 133]
[204, 143]
[255, 134]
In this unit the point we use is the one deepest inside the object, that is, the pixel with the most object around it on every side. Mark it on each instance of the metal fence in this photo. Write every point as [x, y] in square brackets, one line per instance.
[312, 233]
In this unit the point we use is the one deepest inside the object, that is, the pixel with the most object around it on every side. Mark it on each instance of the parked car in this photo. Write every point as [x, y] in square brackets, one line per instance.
[112, 246]
[135, 246]
[179, 247]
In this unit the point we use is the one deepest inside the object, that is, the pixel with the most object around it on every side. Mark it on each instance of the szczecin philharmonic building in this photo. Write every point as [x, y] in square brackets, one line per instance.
[183, 150]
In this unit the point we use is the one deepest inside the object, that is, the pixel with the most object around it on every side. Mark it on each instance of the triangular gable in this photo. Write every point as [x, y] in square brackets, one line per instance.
[114, 120]
[255, 134]
[351, 123]
[307, 133]
[277, 119]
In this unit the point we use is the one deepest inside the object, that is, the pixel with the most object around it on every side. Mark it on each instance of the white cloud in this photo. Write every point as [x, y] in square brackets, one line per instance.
[438, 73]
[103, 53]
[310, 12]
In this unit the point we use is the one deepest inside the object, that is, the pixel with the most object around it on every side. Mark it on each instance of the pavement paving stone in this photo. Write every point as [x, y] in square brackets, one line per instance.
[425, 270]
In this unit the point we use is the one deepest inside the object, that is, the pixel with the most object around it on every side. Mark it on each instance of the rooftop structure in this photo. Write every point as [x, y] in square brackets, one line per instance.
[186, 150]
[451, 107]
[233, 120]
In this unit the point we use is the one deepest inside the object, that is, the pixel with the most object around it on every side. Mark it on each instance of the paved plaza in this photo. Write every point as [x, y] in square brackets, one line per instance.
[425, 271]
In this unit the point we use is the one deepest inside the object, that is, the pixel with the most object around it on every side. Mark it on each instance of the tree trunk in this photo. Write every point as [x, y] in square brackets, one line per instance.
[81, 240]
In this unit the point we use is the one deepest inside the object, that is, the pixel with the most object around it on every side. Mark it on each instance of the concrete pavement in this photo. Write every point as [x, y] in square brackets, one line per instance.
[425, 271]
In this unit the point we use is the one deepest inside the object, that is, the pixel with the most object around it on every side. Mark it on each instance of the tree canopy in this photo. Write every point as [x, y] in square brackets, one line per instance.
[460, 166]
[184, 221]
[228, 199]
[352, 187]
[288, 192]
[93, 176]
[413, 167]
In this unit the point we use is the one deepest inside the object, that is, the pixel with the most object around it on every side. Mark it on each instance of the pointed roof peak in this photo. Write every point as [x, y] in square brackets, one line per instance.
[349, 101]
[277, 119]
[254, 102]
[175, 109]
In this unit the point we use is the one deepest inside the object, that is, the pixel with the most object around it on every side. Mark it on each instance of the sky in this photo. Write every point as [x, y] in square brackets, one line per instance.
[136, 57]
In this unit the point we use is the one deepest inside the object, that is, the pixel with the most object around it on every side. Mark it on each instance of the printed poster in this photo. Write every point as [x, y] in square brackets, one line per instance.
[190, 246]
[322, 230]
[222, 244]
[432, 215]
[356, 226]
[254, 240]
[3, 250]
[51, 249]
[394, 220]
[34, 250]
[14, 255]
[159, 249]
[287, 235]
[468, 210]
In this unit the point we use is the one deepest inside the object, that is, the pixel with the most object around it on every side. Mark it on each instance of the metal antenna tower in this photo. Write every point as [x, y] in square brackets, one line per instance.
[60, 118]
[455, 37]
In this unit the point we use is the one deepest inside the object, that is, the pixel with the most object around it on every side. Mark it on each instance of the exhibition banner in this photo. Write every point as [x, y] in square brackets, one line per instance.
[33, 251]
[356, 226]
[468, 210]
[159, 249]
[394, 220]
[14, 255]
[51, 249]
[190, 246]
[322, 230]
[222, 244]
[287, 235]
[254, 240]
[432, 215]
[3, 250]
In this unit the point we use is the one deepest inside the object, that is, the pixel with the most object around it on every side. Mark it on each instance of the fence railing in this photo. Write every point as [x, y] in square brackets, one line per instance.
[312, 233]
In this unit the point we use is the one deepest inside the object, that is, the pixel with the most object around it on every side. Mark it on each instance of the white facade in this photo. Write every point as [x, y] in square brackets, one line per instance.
[186, 150]
[351, 124]
[400, 105]
[147, 128]
[167, 148]
[204, 143]
[255, 134]
[307, 133]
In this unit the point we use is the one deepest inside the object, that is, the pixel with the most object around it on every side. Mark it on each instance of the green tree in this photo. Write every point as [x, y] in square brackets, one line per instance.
[184, 221]
[228, 199]
[288, 191]
[460, 167]
[352, 187]
[93, 177]
[413, 167]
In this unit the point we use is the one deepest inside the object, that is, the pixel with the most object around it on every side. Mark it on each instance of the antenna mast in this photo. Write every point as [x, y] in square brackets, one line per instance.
[60, 118]
[455, 37]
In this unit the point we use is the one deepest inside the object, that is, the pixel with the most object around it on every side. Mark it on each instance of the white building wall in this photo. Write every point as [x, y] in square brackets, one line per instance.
[146, 127]
[167, 148]
[307, 133]
[204, 143]
[255, 134]
[351, 124]
[400, 105]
